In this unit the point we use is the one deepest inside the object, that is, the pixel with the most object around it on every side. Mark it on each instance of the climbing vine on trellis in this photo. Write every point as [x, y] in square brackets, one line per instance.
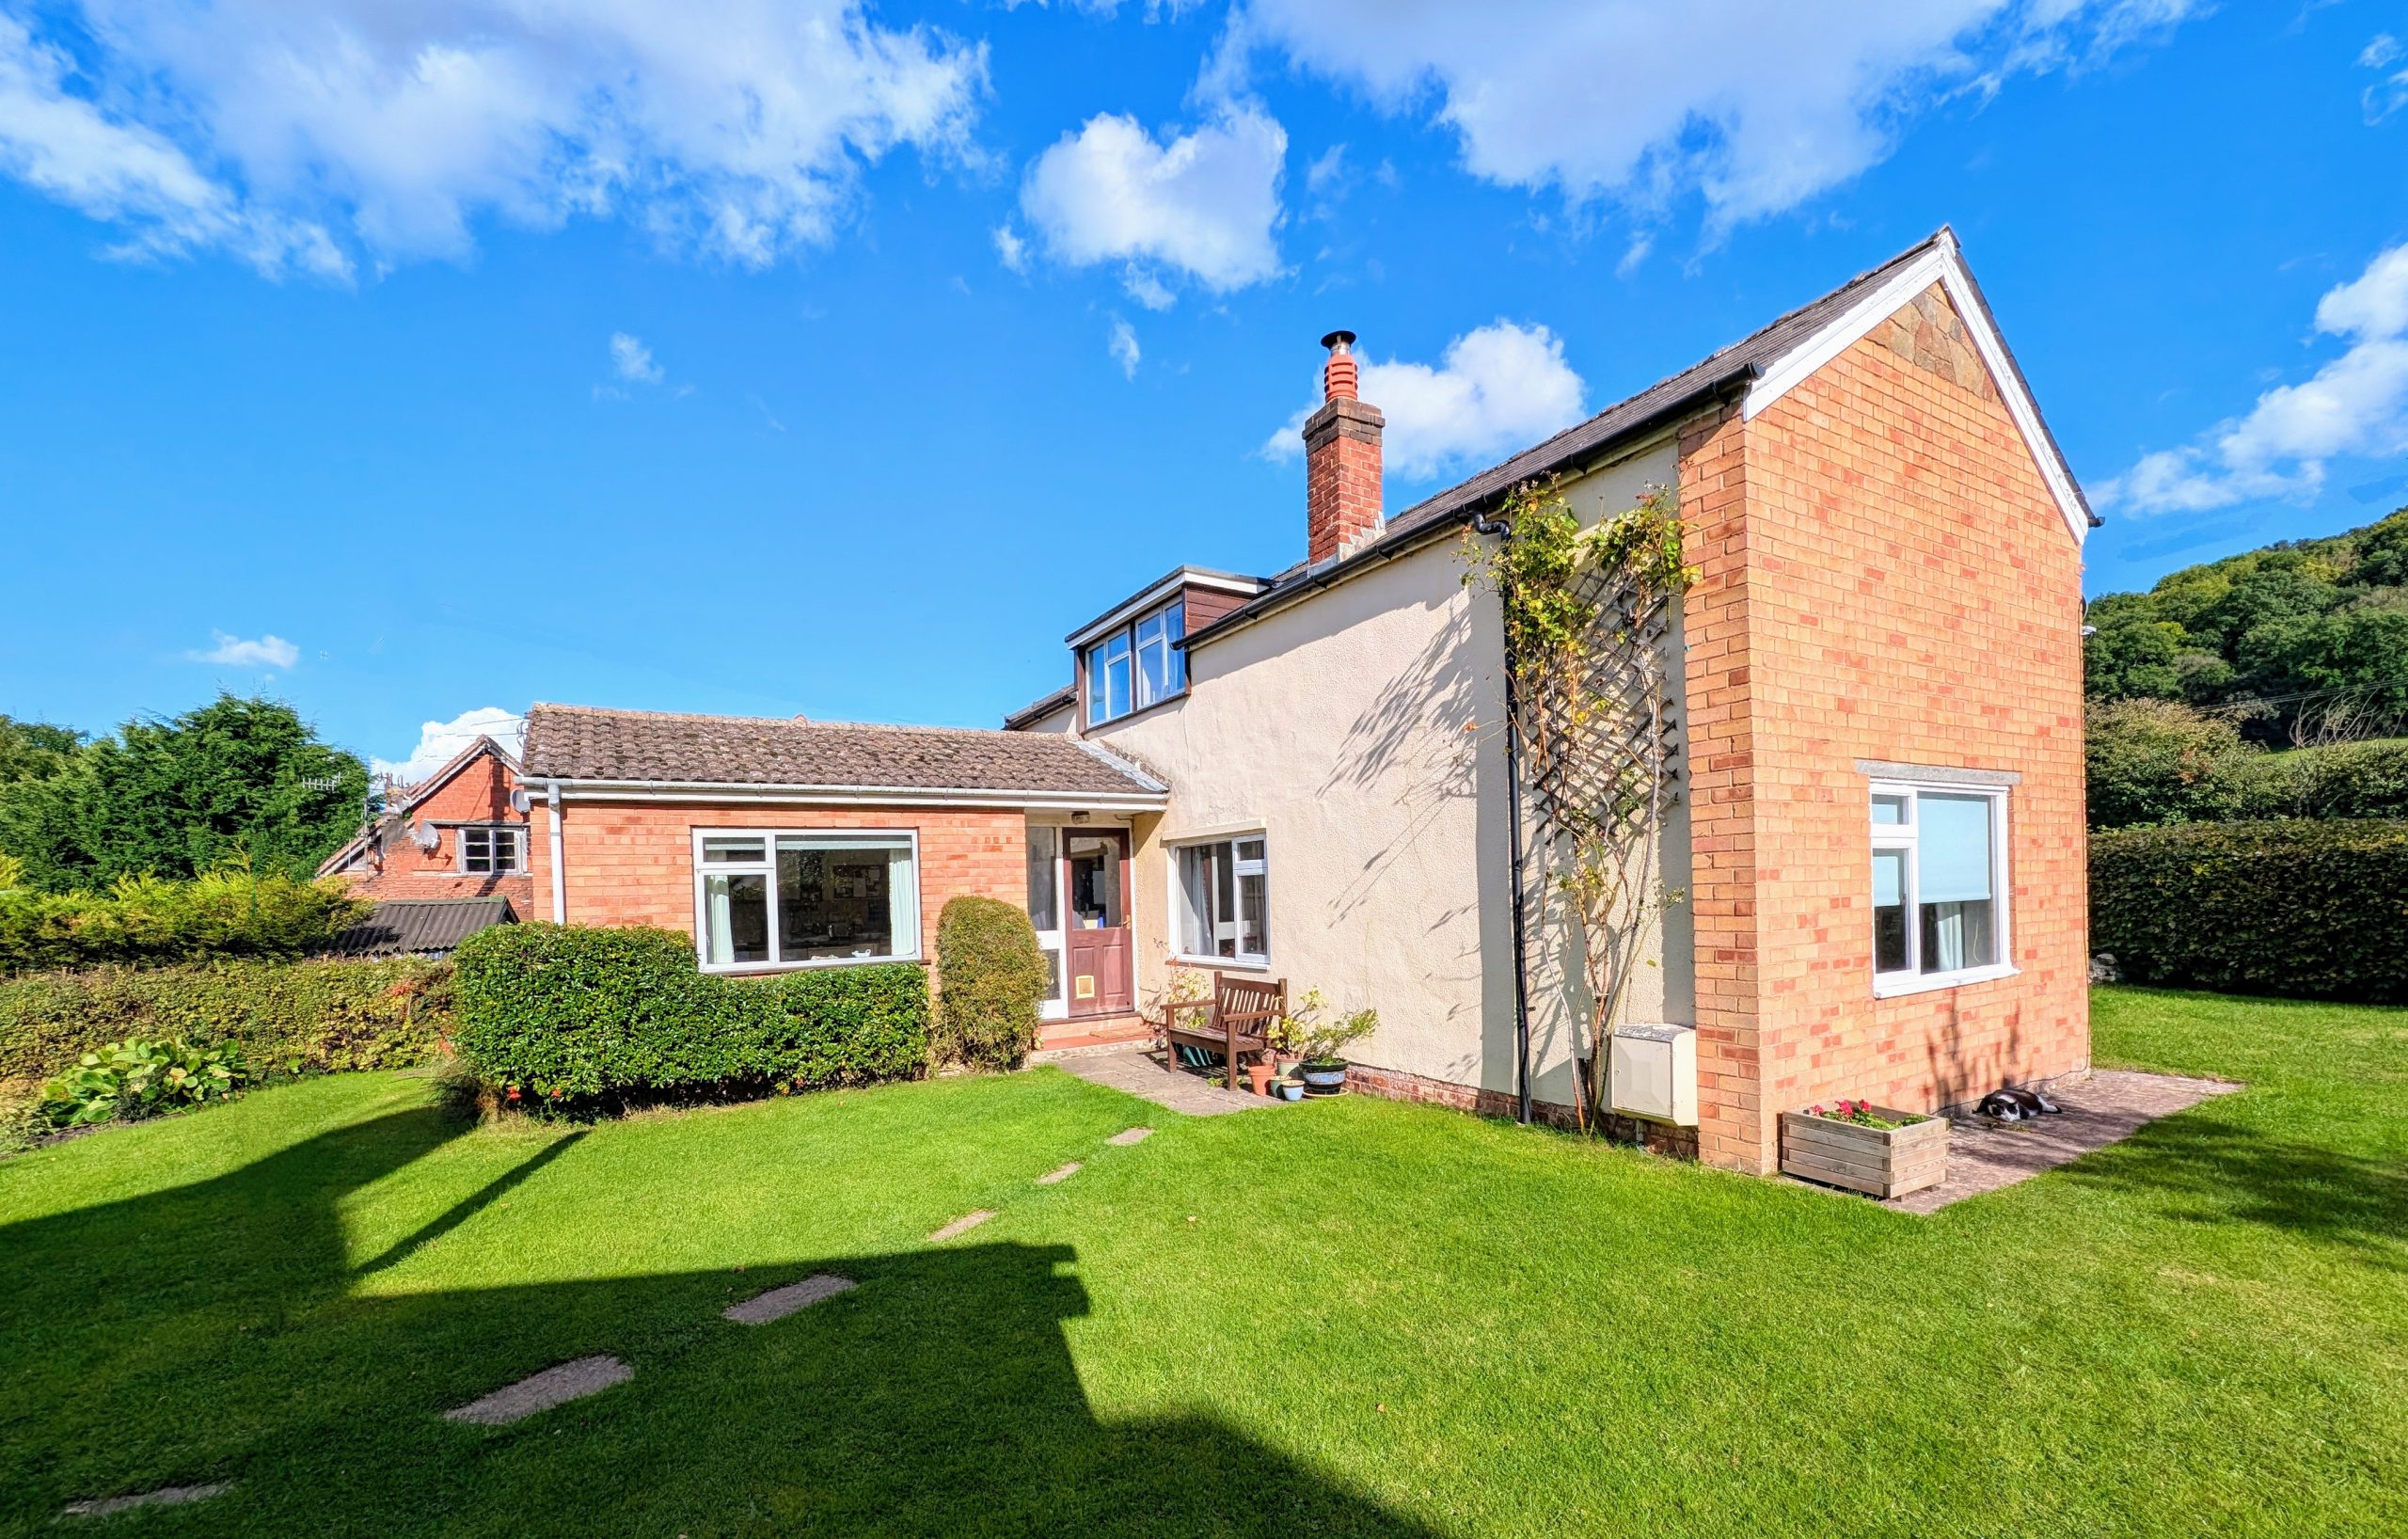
[1589, 616]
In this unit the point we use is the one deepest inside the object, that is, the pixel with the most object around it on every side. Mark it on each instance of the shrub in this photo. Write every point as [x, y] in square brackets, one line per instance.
[139, 1078]
[573, 1015]
[990, 975]
[2157, 761]
[2307, 907]
[2343, 780]
[290, 1017]
[224, 914]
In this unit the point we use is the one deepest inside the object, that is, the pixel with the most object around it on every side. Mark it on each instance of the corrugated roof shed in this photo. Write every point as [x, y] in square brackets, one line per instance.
[419, 926]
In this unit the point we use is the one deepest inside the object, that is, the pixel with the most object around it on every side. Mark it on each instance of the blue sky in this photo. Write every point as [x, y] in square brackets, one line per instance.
[409, 362]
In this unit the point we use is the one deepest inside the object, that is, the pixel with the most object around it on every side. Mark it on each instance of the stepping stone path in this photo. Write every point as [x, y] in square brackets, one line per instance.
[1132, 1135]
[777, 1302]
[1052, 1176]
[962, 1225]
[550, 1388]
[166, 1496]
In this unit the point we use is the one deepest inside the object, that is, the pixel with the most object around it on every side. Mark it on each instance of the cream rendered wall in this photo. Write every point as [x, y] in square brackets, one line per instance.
[1361, 731]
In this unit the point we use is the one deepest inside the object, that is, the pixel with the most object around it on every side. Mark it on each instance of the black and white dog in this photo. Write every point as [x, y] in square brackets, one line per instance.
[2017, 1105]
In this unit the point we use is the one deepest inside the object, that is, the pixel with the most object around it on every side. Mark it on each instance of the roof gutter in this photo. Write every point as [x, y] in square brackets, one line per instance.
[571, 788]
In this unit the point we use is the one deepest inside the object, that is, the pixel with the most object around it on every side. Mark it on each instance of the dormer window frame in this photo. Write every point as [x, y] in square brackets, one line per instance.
[1135, 666]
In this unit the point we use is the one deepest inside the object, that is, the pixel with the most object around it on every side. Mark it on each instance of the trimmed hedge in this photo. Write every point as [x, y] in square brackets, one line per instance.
[142, 919]
[2312, 907]
[566, 1013]
[283, 1016]
[991, 975]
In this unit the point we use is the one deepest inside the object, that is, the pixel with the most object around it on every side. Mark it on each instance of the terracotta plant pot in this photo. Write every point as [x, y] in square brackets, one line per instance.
[1260, 1075]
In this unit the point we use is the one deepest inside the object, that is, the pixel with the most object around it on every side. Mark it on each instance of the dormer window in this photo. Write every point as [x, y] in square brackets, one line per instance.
[1138, 665]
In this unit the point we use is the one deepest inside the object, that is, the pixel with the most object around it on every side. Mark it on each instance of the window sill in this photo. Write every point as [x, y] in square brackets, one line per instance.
[1233, 964]
[1891, 987]
[740, 969]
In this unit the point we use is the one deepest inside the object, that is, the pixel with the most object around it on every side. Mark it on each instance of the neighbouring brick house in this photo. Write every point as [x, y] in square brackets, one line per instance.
[1880, 841]
[457, 833]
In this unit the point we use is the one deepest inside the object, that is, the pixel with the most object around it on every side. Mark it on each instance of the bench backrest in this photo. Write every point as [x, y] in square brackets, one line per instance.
[1252, 1004]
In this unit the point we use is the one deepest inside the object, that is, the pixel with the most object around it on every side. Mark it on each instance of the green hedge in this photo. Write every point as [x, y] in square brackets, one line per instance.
[2315, 908]
[574, 1014]
[991, 975]
[284, 1016]
[142, 919]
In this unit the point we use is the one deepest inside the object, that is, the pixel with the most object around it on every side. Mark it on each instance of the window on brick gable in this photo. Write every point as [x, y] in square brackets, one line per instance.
[493, 851]
[803, 897]
[1939, 887]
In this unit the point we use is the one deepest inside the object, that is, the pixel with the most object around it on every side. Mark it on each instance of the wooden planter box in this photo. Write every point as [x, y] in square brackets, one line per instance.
[1881, 1162]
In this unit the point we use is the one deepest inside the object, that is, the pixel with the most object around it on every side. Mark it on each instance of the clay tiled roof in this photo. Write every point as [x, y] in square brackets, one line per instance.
[581, 742]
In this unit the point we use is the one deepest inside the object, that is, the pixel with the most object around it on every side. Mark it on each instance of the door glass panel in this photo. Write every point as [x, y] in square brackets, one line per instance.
[1053, 972]
[1095, 882]
[1044, 876]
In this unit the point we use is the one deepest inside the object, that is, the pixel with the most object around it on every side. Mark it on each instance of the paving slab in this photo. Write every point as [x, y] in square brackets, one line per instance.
[2107, 1109]
[542, 1391]
[962, 1225]
[1139, 1073]
[1053, 1177]
[1131, 1136]
[777, 1302]
[166, 1496]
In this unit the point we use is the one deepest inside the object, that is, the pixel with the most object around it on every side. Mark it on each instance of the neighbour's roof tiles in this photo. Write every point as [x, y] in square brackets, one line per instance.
[1742, 361]
[420, 927]
[584, 743]
[1037, 709]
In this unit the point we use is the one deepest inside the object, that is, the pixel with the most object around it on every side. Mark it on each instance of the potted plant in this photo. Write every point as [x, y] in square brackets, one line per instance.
[1258, 1075]
[1321, 1043]
[1874, 1149]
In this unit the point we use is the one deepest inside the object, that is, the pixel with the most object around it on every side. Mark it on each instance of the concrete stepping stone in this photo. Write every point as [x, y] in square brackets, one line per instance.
[1132, 1135]
[1052, 1176]
[777, 1302]
[166, 1496]
[542, 1391]
[962, 1225]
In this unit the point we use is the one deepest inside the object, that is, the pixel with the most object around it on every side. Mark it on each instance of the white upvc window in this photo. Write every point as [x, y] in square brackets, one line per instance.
[1138, 665]
[1222, 900]
[1940, 885]
[497, 851]
[805, 897]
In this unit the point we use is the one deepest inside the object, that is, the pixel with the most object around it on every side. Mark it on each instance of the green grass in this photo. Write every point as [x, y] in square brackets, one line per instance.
[1349, 1317]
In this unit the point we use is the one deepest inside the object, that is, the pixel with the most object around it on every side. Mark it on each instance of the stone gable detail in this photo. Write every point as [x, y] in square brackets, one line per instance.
[1930, 334]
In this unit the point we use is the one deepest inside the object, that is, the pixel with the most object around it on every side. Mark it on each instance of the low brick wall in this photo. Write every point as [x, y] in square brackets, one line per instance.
[1396, 1085]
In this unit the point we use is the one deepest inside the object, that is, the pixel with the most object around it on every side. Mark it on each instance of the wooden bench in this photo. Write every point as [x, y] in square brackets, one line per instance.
[1241, 1012]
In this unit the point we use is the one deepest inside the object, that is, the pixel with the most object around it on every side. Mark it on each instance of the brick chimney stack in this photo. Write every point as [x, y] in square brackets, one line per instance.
[1341, 460]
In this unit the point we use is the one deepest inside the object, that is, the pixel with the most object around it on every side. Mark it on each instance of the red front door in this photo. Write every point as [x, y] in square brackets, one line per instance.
[1096, 947]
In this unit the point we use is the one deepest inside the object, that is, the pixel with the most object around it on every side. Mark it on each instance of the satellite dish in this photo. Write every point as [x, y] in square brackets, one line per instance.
[425, 836]
[520, 800]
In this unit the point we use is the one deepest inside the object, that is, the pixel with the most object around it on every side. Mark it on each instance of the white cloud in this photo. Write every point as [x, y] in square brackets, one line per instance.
[632, 360]
[440, 742]
[1327, 170]
[1496, 390]
[2389, 94]
[736, 128]
[235, 652]
[1204, 203]
[1752, 104]
[1011, 248]
[1124, 346]
[2355, 406]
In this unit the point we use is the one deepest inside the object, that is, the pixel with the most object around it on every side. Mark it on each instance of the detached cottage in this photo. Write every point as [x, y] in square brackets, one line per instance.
[1881, 834]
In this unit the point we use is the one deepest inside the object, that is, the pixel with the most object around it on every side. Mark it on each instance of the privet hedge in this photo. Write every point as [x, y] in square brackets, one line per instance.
[565, 1014]
[283, 1016]
[990, 976]
[2310, 908]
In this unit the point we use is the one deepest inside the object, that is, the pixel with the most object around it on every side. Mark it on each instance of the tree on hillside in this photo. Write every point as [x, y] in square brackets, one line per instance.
[234, 780]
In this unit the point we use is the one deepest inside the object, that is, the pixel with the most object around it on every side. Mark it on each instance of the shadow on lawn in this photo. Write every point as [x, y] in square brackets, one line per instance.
[212, 1332]
[2236, 1172]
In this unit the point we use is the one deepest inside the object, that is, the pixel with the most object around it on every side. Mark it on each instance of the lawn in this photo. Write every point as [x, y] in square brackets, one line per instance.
[1349, 1317]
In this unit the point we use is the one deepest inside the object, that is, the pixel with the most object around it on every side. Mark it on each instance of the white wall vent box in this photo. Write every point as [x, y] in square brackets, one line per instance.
[1652, 1069]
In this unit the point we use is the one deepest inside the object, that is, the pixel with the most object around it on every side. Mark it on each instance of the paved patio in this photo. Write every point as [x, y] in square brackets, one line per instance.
[1136, 1071]
[2109, 1107]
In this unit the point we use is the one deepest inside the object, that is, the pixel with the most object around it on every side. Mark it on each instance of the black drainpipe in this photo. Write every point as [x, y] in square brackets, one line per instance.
[1482, 524]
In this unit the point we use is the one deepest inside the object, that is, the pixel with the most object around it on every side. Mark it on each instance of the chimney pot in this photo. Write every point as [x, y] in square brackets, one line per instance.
[1338, 377]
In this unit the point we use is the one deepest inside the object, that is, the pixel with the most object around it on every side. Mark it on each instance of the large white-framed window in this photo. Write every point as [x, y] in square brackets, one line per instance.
[805, 897]
[1940, 885]
[1140, 664]
[1221, 899]
[492, 850]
